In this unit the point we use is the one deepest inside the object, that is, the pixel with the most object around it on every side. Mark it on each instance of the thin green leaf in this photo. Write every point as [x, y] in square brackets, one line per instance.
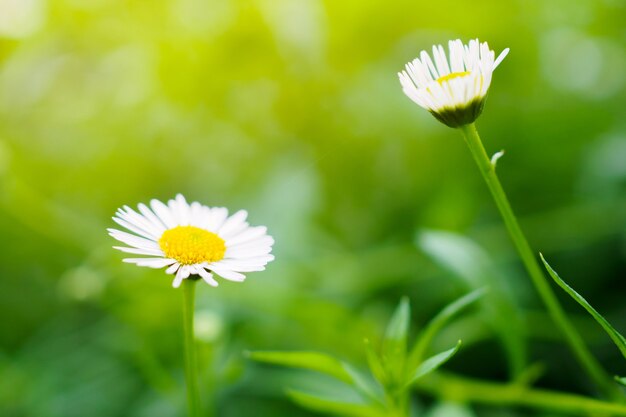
[398, 326]
[450, 409]
[617, 338]
[433, 363]
[458, 254]
[375, 364]
[436, 324]
[365, 384]
[621, 380]
[314, 361]
[394, 344]
[470, 262]
[327, 405]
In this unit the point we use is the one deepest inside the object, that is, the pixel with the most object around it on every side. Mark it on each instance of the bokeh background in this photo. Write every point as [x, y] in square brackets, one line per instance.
[292, 110]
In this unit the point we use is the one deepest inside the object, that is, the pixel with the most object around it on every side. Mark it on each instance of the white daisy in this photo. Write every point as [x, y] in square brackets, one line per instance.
[453, 89]
[193, 239]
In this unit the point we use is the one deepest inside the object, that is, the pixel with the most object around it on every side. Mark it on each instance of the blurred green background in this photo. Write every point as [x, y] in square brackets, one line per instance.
[292, 109]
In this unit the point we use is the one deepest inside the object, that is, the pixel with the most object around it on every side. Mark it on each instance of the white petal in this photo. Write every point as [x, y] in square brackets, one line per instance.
[440, 60]
[226, 273]
[150, 262]
[150, 216]
[185, 270]
[179, 209]
[234, 230]
[243, 268]
[135, 229]
[216, 218]
[136, 251]
[238, 252]
[207, 276]
[501, 57]
[431, 72]
[138, 220]
[132, 240]
[179, 278]
[233, 224]
[202, 216]
[173, 268]
[246, 235]
[245, 265]
[257, 260]
[264, 240]
[163, 213]
[196, 217]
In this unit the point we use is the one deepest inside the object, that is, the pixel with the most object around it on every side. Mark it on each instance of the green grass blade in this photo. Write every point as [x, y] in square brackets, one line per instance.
[394, 343]
[398, 327]
[450, 409]
[432, 363]
[500, 309]
[436, 324]
[617, 338]
[326, 405]
[314, 361]
[366, 384]
[376, 366]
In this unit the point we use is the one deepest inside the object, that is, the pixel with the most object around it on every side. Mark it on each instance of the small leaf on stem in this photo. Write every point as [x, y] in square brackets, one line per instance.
[495, 157]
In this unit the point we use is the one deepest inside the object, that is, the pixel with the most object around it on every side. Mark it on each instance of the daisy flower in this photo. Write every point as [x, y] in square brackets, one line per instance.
[193, 240]
[452, 88]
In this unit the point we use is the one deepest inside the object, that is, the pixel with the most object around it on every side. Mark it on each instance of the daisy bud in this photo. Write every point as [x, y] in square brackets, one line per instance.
[452, 88]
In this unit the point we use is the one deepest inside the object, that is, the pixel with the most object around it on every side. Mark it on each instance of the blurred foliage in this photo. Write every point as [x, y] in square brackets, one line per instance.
[385, 390]
[292, 109]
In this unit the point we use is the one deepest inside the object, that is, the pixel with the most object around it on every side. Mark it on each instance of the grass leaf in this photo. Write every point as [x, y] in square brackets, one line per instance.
[432, 363]
[437, 323]
[327, 405]
[366, 384]
[376, 367]
[398, 327]
[617, 338]
[394, 344]
[314, 361]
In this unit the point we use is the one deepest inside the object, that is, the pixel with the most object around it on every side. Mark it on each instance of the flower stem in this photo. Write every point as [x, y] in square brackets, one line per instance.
[476, 391]
[191, 367]
[584, 356]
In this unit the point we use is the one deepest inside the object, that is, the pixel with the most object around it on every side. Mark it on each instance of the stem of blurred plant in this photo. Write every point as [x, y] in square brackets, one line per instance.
[577, 344]
[191, 367]
[460, 389]
[401, 403]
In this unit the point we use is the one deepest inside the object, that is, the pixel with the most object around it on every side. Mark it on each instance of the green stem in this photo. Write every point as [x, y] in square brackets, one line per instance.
[400, 404]
[470, 390]
[488, 171]
[403, 403]
[191, 366]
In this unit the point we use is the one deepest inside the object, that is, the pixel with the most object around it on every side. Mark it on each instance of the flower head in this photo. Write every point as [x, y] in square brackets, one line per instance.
[193, 239]
[454, 87]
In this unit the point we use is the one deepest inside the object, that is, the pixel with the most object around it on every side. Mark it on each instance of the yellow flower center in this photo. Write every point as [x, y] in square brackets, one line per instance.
[191, 245]
[451, 76]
